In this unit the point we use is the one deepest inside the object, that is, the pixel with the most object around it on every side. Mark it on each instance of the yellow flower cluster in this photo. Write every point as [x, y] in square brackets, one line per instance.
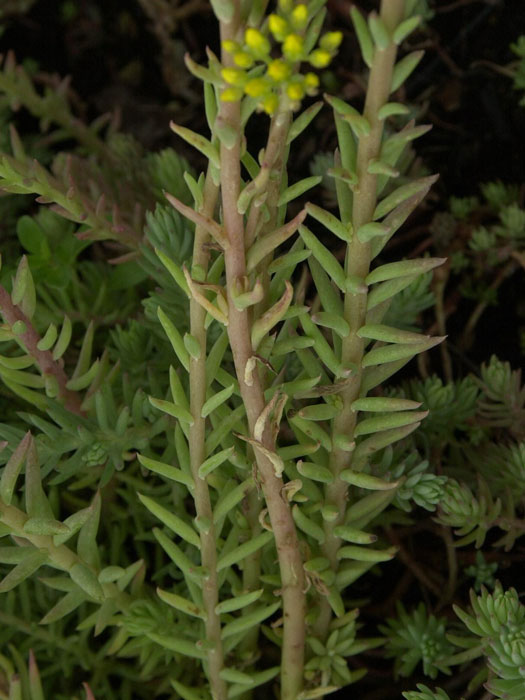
[279, 79]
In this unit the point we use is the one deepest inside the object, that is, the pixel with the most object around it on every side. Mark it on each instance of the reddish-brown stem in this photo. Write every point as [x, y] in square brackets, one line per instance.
[239, 333]
[44, 358]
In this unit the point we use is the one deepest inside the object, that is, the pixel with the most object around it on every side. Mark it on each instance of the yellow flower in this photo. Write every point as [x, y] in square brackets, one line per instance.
[293, 47]
[230, 46]
[270, 103]
[243, 59]
[256, 41]
[299, 17]
[295, 91]
[320, 58]
[231, 94]
[233, 76]
[256, 87]
[279, 70]
[331, 41]
[311, 83]
[278, 27]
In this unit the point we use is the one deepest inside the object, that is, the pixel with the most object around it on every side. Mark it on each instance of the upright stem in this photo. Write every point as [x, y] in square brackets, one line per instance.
[210, 591]
[239, 332]
[357, 263]
[272, 167]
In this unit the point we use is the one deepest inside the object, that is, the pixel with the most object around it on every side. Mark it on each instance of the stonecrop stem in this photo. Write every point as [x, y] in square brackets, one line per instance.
[197, 437]
[358, 258]
[239, 332]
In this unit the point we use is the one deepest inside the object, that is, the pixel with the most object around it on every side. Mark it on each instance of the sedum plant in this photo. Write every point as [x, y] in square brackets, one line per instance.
[214, 460]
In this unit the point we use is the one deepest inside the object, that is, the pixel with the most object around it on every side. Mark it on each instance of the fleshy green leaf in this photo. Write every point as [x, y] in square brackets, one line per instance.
[324, 257]
[246, 622]
[244, 550]
[350, 534]
[404, 68]
[215, 461]
[63, 339]
[13, 468]
[166, 470]
[199, 142]
[399, 195]
[363, 36]
[178, 645]
[366, 481]
[84, 577]
[172, 521]
[302, 121]
[391, 420]
[405, 28]
[398, 351]
[379, 31]
[307, 525]
[383, 404]
[216, 400]
[181, 414]
[180, 603]
[388, 334]
[403, 268]
[316, 472]
[26, 568]
[87, 539]
[239, 602]
[298, 188]
[357, 553]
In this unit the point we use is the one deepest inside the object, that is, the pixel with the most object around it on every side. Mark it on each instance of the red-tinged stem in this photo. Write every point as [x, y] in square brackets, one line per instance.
[44, 358]
[239, 333]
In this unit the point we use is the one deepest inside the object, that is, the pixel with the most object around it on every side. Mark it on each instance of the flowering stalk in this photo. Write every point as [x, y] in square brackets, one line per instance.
[239, 332]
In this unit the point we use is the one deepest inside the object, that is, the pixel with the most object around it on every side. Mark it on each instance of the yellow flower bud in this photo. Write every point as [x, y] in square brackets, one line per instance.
[231, 94]
[279, 70]
[320, 58]
[278, 27]
[293, 47]
[230, 46]
[243, 59]
[233, 76]
[299, 17]
[311, 83]
[331, 41]
[256, 41]
[256, 87]
[270, 103]
[295, 91]
[286, 6]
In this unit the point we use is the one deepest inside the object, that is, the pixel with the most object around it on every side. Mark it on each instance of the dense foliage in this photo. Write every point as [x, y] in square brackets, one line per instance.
[219, 475]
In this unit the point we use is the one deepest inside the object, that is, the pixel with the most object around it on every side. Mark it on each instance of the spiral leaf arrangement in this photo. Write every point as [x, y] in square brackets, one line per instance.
[239, 420]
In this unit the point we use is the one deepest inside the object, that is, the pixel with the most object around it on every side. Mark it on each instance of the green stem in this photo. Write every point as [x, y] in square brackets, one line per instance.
[197, 437]
[239, 332]
[60, 557]
[357, 264]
